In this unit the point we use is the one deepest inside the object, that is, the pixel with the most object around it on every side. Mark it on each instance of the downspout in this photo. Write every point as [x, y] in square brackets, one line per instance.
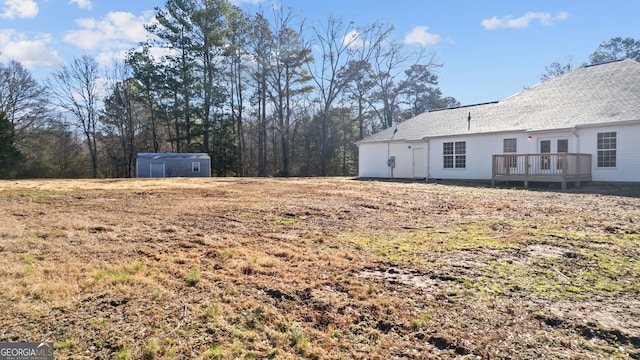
[389, 157]
[428, 160]
[577, 138]
[389, 150]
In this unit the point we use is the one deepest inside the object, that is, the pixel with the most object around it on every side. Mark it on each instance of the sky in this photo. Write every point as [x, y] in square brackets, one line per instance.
[489, 49]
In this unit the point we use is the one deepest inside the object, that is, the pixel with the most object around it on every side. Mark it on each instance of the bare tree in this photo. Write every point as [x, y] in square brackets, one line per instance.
[286, 79]
[75, 89]
[261, 42]
[555, 69]
[123, 114]
[23, 101]
[237, 58]
[342, 46]
[388, 62]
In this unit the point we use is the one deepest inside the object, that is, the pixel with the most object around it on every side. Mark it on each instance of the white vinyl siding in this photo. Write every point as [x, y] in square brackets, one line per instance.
[627, 167]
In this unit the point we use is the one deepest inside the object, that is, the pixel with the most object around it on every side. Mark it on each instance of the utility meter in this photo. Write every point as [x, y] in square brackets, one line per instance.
[391, 162]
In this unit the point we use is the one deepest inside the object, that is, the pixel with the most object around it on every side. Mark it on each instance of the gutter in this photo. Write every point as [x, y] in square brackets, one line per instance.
[612, 123]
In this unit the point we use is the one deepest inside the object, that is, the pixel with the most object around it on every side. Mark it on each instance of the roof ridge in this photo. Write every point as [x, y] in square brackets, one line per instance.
[464, 106]
[607, 62]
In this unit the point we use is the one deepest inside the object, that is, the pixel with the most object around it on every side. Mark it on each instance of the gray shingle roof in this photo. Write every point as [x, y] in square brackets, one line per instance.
[594, 94]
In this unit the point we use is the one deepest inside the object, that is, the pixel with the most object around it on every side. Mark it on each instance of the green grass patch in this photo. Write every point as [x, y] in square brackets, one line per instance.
[285, 221]
[584, 262]
[121, 275]
[65, 344]
[298, 338]
[408, 245]
[422, 321]
[193, 277]
[215, 351]
[123, 354]
[112, 276]
[29, 259]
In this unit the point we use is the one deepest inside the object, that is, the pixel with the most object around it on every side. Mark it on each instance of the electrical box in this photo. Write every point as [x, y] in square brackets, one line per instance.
[391, 162]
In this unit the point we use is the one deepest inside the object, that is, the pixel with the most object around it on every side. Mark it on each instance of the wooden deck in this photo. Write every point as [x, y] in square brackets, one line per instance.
[547, 167]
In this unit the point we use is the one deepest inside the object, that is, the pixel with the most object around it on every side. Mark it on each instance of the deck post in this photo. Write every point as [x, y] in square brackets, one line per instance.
[526, 171]
[493, 170]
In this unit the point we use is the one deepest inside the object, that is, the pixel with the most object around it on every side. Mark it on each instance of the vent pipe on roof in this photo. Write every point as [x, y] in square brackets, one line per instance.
[469, 121]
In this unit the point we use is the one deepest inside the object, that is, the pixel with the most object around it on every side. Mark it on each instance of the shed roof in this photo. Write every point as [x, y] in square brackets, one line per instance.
[592, 94]
[158, 156]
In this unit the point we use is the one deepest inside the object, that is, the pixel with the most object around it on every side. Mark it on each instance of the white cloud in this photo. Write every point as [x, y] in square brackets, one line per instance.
[420, 35]
[116, 31]
[19, 9]
[82, 4]
[353, 40]
[31, 53]
[509, 22]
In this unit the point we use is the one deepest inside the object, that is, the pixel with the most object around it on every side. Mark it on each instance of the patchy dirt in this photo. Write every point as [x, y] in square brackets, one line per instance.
[320, 269]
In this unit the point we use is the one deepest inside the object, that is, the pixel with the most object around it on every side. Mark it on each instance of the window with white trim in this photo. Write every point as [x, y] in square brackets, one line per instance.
[455, 155]
[195, 166]
[607, 149]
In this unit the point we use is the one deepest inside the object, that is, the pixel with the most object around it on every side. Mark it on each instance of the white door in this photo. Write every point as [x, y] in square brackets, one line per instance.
[418, 163]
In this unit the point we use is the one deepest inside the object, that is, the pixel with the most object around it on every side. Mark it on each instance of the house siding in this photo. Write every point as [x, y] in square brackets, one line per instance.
[479, 149]
[404, 159]
[372, 160]
[628, 148]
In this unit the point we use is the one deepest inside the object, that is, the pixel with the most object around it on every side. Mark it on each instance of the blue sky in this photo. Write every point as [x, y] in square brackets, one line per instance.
[490, 49]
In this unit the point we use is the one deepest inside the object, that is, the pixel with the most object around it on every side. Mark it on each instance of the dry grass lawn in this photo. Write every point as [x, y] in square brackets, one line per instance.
[318, 269]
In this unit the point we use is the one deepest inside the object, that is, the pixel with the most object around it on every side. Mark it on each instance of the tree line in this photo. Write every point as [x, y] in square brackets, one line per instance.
[617, 48]
[263, 94]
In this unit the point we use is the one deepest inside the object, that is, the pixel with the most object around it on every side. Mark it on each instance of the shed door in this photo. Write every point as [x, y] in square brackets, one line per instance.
[157, 170]
[418, 163]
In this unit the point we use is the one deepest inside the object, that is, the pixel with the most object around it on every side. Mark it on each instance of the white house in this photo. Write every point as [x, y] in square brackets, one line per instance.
[581, 126]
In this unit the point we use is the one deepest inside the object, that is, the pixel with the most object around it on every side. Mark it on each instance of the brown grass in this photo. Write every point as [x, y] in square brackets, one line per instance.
[317, 268]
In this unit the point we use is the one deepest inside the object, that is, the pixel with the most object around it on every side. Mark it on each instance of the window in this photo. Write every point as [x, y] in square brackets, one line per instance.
[195, 166]
[545, 160]
[455, 155]
[607, 149]
[563, 147]
[510, 146]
